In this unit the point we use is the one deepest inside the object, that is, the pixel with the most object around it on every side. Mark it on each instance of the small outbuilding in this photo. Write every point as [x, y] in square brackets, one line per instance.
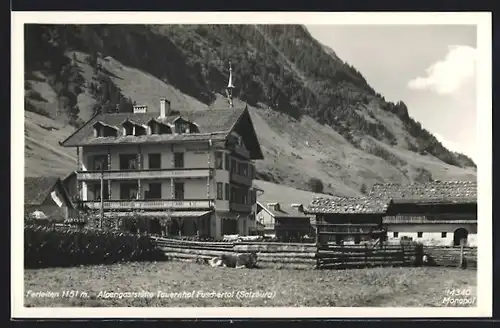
[46, 198]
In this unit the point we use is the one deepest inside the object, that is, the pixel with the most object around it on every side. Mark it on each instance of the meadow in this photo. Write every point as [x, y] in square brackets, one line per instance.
[200, 285]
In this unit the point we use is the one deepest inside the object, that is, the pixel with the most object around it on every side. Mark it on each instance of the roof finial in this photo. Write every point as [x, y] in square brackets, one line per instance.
[230, 86]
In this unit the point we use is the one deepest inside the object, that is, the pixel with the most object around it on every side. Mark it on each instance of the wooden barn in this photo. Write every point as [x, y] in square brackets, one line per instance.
[287, 222]
[46, 198]
[349, 220]
[434, 213]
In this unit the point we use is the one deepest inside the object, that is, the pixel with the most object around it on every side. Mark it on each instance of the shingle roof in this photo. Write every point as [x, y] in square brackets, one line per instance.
[432, 192]
[213, 123]
[36, 189]
[349, 205]
[285, 211]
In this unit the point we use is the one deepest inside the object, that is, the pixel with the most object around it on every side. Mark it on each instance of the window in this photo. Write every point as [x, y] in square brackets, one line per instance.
[102, 130]
[250, 170]
[178, 160]
[154, 161]
[357, 239]
[443, 234]
[218, 160]
[97, 191]
[128, 129]
[128, 162]
[154, 191]
[128, 190]
[226, 162]
[243, 169]
[233, 190]
[158, 128]
[140, 130]
[226, 194]
[419, 234]
[100, 162]
[219, 190]
[179, 190]
[233, 166]
[395, 234]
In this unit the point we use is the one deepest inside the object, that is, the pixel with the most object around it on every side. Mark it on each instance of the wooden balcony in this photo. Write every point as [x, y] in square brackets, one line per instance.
[151, 204]
[240, 151]
[241, 179]
[241, 208]
[144, 174]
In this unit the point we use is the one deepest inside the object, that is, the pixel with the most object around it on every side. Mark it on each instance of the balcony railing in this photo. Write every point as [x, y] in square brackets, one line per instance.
[241, 179]
[243, 208]
[240, 150]
[151, 204]
[145, 174]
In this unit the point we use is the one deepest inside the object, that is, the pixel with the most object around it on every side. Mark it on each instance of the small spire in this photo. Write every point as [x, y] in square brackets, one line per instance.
[230, 83]
[230, 86]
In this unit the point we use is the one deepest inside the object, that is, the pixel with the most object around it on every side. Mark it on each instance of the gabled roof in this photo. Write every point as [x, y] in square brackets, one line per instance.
[430, 192]
[285, 211]
[36, 189]
[104, 124]
[349, 205]
[213, 124]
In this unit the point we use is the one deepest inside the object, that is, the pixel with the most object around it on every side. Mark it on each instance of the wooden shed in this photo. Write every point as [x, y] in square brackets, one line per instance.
[47, 195]
[349, 220]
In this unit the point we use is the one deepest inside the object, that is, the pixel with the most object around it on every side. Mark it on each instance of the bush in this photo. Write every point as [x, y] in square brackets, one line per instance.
[316, 185]
[53, 247]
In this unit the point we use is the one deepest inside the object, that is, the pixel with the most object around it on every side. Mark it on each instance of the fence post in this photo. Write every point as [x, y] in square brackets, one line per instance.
[317, 247]
[461, 265]
[366, 255]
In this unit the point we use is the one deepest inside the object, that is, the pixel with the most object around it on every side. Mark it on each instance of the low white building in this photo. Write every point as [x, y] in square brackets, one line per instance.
[434, 213]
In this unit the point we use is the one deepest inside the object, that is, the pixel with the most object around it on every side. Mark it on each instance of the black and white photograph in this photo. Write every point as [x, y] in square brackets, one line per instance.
[313, 164]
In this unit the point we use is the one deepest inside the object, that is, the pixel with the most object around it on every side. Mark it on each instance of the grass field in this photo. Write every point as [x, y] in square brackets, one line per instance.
[405, 287]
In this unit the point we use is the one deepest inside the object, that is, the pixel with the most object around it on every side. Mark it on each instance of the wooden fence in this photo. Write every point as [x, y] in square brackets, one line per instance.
[449, 256]
[310, 256]
[281, 255]
[362, 256]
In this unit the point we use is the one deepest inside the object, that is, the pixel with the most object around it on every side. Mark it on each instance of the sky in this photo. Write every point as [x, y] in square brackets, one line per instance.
[431, 68]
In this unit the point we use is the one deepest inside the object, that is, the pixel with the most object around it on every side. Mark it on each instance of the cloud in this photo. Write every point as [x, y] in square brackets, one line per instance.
[467, 149]
[448, 144]
[448, 75]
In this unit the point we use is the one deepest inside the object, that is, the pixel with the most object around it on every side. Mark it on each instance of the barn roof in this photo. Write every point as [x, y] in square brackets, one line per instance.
[349, 205]
[36, 189]
[284, 211]
[430, 192]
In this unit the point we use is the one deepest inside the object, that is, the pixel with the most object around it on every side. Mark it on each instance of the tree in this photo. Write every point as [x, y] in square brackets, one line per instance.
[364, 189]
[316, 185]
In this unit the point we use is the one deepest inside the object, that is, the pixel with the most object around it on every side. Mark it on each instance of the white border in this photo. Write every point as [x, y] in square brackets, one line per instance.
[484, 140]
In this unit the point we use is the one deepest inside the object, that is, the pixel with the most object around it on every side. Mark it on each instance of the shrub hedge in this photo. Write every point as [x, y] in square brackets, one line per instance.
[55, 247]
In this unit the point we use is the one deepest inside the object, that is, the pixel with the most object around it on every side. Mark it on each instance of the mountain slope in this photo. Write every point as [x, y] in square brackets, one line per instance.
[355, 139]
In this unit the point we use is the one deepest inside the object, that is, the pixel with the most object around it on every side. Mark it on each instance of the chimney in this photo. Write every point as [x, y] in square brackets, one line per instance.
[140, 108]
[164, 107]
[299, 207]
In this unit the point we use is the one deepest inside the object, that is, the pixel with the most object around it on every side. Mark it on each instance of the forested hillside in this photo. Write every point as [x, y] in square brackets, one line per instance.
[280, 68]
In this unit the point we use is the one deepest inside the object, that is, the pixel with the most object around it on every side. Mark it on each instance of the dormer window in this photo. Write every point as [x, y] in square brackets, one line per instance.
[139, 130]
[103, 130]
[158, 127]
[184, 126]
[274, 206]
[128, 128]
[131, 128]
